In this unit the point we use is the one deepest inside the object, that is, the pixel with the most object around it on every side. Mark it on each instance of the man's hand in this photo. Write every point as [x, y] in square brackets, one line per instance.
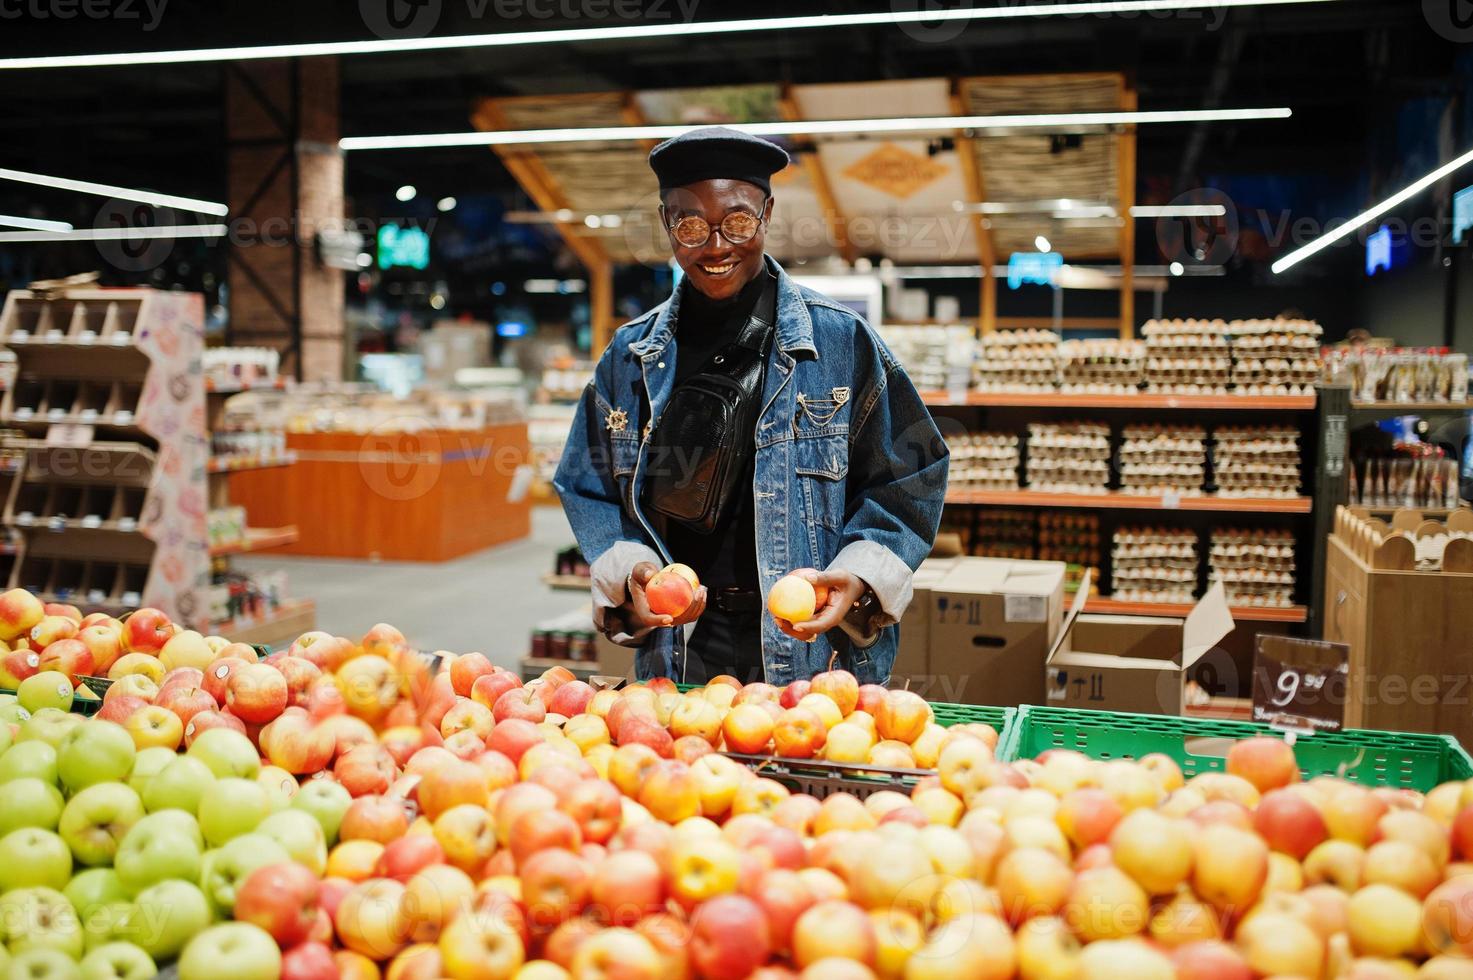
[636, 609]
[845, 588]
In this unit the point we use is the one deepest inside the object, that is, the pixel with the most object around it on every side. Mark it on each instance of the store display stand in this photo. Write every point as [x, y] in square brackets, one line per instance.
[107, 496]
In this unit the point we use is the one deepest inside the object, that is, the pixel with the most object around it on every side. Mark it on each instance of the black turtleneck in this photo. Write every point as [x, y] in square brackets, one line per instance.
[728, 555]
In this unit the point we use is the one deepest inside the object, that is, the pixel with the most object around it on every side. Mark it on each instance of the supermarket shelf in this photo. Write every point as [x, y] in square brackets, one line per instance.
[1389, 410]
[258, 539]
[1226, 709]
[1129, 501]
[228, 388]
[1425, 511]
[1140, 400]
[572, 583]
[238, 462]
[290, 620]
[1243, 614]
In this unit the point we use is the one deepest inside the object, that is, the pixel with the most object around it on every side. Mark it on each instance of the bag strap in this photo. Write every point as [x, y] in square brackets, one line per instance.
[758, 329]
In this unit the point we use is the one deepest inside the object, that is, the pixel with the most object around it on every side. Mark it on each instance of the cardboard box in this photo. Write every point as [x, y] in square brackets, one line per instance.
[913, 659]
[1132, 663]
[613, 659]
[992, 623]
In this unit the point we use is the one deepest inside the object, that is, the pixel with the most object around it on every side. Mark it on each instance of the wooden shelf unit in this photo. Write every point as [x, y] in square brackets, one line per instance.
[289, 621]
[1115, 500]
[240, 462]
[1136, 401]
[1243, 614]
[257, 539]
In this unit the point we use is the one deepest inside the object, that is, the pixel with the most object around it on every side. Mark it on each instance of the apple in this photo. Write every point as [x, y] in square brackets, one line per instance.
[19, 612]
[38, 918]
[186, 648]
[45, 689]
[1106, 903]
[118, 709]
[117, 961]
[29, 759]
[1288, 822]
[902, 715]
[669, 593]
[376, 818]
[729, 938]
[256, 693]
[297, 743]
[835, 928]
[1338, 862]
[146, 630]
[555, 886]
[153, 725]
[1210, 960]
[794, 599]
[366, 770]
[1230, 866]
[300, 835]
[328, 652]
[31, 857]
[433, 897]
[469, 716]
[281, 899]
[231, 951]
[841, 686]
[216, 676]
[185, 700]
[1266, 762]
[95, 820]
[226, 752]
[71, 657]
[1030, 881]
[52, 629]
[93, 888]
[1384, 921]
[326, 801]
[481, 945]
[309, 961]
[48, 725]
[747, 728]
[159, 846]
[105, 643]
[227, 868]
[370, 686]
[1088, 816]
[799, 734]
[487, 688]
[30, 802]
[975, 946]
[571, 698]
[94, 752]
[1153, 849]
[230, 807]
[520, 703]
[301, 677]
[466, 669]
[467, 836]
[371, 918]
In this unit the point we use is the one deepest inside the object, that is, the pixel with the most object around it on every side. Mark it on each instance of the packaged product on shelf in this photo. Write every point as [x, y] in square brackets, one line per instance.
[1101, 366]
[1275, 357]
[1003, 533]
[1189, 357]
[1158, 459]
[984, 461]
[1256, 567]
[1072, 457]
[1017, 360]
[1395, 374]
[226, 526]
[1153, 564]
[1261, 461]
[1072, 538]
[241, 366]
[937, 357]
[1404, 480]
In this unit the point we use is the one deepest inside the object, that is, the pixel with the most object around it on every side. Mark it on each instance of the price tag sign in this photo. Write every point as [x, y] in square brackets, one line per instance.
[1300, 684]
[69, 435]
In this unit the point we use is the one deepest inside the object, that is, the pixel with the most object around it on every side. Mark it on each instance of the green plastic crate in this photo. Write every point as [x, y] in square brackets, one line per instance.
[1412, 761]
[948, 714]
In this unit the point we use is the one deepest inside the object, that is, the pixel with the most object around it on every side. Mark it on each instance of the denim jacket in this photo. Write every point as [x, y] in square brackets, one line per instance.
[850, 474]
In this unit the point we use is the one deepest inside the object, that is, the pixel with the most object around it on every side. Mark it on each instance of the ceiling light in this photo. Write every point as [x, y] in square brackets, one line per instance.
[108, 190]
[115, 234]
[1367, 216]
[1177, 269]
[1043, 206]
[406, 193]
[893, 18]
[1178, 211]
[593, 221]
[564, 214]
[1043, 244]
[1084, 214]
[612, 221]
[445, 204]
[33, 224]
[815, 127]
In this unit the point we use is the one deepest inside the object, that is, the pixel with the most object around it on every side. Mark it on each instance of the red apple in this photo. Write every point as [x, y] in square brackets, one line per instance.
[794, 693]
[118, 709]
[669, 593]
[1210, 960]
[52, 629]
[297, 743]
[450, 784]
[839, 685]
[1264, 761]
[207, 719]
[376, 818]
[146, 630]
[1289, 823]
[309, 961]
[638, 730]
[597, 807]
[729, 938]
[366, 770]
[105, 643]
[466, 669]
[486, 688]
[64, 609]
[870, 696]
[256, 693]
[402, 859]
[280, 898]
[519, 703]
[513, 737]
[626, 886]
[19, 611]
[555, 886]
[300, 675]
[570, 699]
[217, 676]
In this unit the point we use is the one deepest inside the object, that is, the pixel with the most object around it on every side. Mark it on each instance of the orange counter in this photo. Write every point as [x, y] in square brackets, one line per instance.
[411, 496]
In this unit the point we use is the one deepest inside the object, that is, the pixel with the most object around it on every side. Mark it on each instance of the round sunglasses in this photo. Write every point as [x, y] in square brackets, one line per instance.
[738, 227]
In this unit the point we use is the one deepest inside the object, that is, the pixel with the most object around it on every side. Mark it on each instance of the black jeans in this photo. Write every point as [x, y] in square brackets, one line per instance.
[725, 643]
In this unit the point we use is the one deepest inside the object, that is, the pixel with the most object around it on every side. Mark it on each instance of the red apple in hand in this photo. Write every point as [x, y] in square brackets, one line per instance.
[669, 593]
[280, 898]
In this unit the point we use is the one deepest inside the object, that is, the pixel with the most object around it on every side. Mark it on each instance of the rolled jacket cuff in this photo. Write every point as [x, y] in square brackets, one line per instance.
[889, 578]
[610, 578]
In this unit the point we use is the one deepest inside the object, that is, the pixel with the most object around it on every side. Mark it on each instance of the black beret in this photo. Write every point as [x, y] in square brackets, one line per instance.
[716, 152]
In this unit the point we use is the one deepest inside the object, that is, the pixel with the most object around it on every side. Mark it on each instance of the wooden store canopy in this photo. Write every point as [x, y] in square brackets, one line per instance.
[852, 196]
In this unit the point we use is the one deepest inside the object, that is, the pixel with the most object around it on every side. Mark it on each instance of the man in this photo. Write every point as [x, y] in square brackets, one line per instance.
[833, 460]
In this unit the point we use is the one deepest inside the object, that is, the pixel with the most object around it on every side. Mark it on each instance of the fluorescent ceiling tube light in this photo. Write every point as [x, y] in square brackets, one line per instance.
[108, 190]
[33, 224]
[896, 18]
[1059, 121]
[115, 234]
[1366, 217]
[1057, 205]
[1178, 211]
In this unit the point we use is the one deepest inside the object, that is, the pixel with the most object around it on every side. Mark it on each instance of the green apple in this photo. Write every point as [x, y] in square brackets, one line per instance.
[227, 868]
[4, 962]
[93, 887]
[5, 737]
[178, 786]
[148, 763]
[107, 922]
[165, 916]
[95, 820]
[232, 951]
[48, 725]
[32, 856]
[231, 807]
[301, 835]
[13, 713]
[94, 752]
[43, 964]
[160, 846]
[118, 961]
[30, 802]
[327, 800]
[40, 918]
[227, 752]
[29, 759]
[47, 689]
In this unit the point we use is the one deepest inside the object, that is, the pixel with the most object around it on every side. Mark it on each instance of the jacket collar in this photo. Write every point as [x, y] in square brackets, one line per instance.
[794, 324]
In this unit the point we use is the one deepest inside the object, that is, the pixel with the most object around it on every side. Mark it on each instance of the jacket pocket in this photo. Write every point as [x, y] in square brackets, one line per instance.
[625, 452]
[822, 466]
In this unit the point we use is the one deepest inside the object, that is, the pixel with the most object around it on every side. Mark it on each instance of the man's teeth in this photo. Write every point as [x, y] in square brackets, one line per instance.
[717, 270]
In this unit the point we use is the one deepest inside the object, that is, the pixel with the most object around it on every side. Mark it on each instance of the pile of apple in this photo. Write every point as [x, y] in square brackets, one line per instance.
[344, 809]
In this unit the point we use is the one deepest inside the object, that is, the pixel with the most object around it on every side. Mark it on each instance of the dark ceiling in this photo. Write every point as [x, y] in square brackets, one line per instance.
[1344, 67]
